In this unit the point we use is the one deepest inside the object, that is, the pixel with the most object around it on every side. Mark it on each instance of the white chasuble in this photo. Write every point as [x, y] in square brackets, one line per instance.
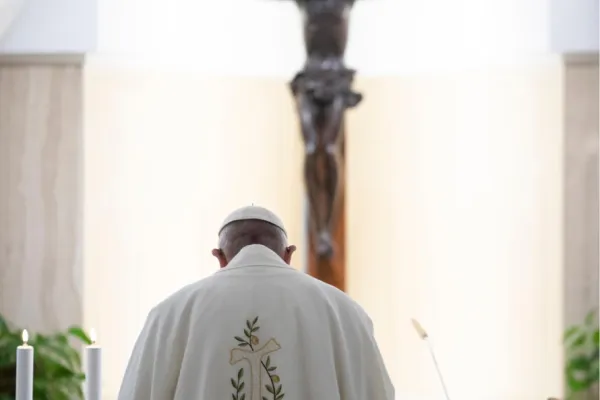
[257, 330]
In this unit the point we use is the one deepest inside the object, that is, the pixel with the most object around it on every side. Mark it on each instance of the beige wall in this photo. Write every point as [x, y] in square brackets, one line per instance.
[40, 192]
[455, 218]
[167, 156]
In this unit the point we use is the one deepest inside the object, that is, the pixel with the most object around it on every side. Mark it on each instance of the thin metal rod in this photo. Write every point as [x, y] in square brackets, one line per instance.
[437, 367]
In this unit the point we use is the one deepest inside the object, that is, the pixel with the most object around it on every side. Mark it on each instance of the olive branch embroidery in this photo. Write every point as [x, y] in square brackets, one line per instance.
[273, 388]
[251, 341]
[238, 385]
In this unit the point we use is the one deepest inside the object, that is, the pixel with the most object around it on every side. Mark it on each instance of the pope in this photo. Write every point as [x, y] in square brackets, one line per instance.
[256, 329]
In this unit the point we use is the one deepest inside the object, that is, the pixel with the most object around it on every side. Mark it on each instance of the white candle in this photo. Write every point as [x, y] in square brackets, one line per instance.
[24, 387]
[93, 372]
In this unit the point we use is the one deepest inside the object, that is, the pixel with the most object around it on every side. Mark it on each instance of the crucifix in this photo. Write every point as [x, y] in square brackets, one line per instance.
[322, 91]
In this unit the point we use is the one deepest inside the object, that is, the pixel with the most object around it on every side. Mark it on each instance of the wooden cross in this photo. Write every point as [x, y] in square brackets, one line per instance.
[332, 270]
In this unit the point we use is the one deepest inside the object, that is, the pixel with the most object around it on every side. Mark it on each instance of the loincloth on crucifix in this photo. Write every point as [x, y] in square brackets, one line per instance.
[323, 86]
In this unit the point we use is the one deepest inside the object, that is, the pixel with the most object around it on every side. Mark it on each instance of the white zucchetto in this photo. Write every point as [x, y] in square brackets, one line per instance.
[253, 212]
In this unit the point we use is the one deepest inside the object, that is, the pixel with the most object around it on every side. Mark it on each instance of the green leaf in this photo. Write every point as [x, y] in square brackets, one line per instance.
[234, 384]
[239, 339]
[577, 373]
[3, 325]
[576, 341]
[244, 344]
[570, 332]
[8, 343]
[255, 321]
[278, 390]
[268, 361]
[55, 359]
[264, 398]
[247, 333]
[80, 334]
[279, 397]
[240, 373]
[61, 338]
[271, 369]
[248, 324]
[61, 390]
[58, 345]
[594, 370]
[596, 338]
[243, 396]
[242, 386]
[270, 388]
[233, 396]
[590, 318]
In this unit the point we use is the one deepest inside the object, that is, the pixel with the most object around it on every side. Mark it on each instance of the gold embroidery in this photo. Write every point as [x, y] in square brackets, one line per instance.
[247, 349]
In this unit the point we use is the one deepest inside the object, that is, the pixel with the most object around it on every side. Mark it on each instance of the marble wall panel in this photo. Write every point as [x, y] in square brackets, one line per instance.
[41, 192]
[581, 186]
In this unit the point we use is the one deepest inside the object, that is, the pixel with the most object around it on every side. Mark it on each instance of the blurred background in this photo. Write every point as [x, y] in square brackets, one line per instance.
[129, 129]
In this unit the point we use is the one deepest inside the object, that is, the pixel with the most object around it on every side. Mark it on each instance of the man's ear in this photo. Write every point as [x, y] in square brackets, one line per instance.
[218, 253]
[287, 256]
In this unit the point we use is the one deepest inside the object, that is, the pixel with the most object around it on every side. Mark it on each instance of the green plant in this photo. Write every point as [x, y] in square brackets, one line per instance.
[58, 373]
[582, 362]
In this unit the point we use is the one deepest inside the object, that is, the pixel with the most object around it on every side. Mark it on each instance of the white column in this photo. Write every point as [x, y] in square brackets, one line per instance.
[167, 156]
[455, 218]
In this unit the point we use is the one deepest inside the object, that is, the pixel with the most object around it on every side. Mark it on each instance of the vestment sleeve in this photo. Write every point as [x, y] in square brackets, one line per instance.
[379, 384]
[148, 375]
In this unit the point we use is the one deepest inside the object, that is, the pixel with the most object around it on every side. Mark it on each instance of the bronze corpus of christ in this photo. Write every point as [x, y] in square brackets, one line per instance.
[322, 90]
